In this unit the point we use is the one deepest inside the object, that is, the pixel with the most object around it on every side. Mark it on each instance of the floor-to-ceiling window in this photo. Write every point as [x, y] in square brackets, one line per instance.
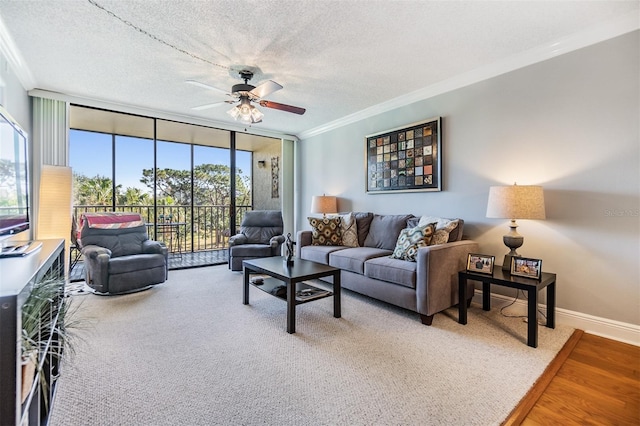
[91, 156]
[133, 174]
[177, 175]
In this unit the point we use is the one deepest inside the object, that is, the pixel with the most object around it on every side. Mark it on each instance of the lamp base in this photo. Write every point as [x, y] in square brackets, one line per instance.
[506, 263]
[512, 240]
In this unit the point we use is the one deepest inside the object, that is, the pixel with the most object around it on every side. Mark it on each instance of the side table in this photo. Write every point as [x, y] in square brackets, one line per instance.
[529, 285]
[167, 230]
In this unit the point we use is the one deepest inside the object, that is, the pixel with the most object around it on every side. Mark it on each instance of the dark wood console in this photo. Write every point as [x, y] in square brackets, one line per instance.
[17, 277]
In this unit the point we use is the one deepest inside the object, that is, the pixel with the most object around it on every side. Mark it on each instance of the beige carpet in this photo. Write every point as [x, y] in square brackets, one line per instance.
[188, 352]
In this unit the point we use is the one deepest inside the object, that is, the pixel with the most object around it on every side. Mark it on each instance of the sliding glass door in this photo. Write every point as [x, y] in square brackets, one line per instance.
[191, 183]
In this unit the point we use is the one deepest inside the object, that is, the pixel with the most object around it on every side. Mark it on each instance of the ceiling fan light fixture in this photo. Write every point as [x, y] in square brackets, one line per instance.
[245, 108]
[234, 112]
[245, 112]
[256, 115]
[247, 94]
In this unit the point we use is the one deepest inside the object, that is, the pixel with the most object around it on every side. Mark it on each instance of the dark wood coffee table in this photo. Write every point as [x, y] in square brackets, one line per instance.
[292, 277]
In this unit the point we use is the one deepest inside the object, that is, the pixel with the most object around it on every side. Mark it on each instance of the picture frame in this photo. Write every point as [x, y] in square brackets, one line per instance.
[480, 263]
[405, 159]
[526, 267]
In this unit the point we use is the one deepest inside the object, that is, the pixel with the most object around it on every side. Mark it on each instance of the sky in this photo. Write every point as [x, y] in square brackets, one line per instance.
[90, 154]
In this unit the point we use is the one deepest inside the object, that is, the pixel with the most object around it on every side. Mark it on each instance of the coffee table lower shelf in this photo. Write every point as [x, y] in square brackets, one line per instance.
[269, 284]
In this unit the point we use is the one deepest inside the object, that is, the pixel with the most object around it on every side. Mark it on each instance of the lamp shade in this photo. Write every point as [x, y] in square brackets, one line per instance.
[325, 204]
[55, 204]
[516, 202]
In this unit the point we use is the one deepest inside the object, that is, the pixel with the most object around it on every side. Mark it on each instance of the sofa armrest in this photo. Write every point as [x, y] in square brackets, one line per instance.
[238, 240]
[303, 238]
[437, 274]
[154, 247]
[97, 266]
[92, 251]
[157, 247]
[276, 241]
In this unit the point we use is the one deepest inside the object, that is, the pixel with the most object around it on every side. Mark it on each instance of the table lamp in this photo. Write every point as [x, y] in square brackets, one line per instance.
[515, 202]
[325, 204]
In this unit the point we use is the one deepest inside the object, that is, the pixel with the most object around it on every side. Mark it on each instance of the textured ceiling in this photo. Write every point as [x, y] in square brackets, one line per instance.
[333, 58]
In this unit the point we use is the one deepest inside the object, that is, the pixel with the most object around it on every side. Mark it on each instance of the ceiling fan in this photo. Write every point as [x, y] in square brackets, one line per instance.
[245, 94]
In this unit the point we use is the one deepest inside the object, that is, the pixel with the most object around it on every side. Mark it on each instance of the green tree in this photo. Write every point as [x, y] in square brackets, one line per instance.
[173, 188]
[170, 184]
[134, 197]
[94, 191]
[210, 185]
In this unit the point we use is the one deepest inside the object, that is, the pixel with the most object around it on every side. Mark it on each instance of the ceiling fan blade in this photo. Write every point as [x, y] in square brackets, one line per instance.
[265, 89]
[282, 107]
[206, 86]
[207, 106]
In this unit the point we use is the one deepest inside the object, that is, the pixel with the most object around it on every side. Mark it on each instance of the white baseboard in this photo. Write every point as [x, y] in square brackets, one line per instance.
[616, 330]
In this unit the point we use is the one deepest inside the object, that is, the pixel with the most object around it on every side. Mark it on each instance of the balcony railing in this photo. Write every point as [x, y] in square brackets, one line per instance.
[183, 228]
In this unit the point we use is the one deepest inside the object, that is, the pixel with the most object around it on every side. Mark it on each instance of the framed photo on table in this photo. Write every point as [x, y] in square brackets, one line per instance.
[405, 159]
[480, 263]
[526, 267]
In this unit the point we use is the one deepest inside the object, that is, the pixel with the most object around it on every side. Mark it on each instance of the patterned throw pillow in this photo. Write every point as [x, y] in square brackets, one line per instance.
[349, 231]
[410, 239]
[326, 231]
[443, 228]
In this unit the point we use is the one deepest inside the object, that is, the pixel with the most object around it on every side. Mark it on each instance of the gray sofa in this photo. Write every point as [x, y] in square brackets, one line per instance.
[427, 286]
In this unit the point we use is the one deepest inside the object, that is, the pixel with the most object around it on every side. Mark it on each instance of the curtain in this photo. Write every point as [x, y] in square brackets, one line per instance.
[50, 147]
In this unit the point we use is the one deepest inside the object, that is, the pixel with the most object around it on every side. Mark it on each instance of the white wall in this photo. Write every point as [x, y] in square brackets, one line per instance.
[570, 124]
[13, 97]
[16, 101]
[262, 177]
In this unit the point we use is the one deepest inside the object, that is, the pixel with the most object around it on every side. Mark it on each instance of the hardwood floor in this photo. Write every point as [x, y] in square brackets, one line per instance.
[592, 381]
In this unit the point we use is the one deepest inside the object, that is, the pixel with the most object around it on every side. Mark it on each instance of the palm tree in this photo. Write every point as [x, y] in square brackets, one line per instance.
[134, 197]
[93, 191]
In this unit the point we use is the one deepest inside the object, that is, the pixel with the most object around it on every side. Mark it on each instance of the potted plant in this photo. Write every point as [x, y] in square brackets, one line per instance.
[48, 321]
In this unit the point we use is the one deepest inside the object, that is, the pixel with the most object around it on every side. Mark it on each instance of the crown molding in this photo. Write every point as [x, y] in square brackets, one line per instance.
[610, 29]
[154, 113]
[10, 51]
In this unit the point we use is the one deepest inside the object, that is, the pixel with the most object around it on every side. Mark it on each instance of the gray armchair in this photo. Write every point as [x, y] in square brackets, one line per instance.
[118, 255]
[260, 236]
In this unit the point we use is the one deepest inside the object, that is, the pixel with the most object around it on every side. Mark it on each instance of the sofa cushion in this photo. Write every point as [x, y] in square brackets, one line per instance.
[326, 231]
[353, 259]
[349, 230]
[138, 262]
[412, 222]
[259, 226]
[363, 222]
[121, 242]
[318, 254]
[384, 231]
[456, 233]
[391, 270]
[251, 250]
[260, 234]
[410, 239]
[447, 230]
